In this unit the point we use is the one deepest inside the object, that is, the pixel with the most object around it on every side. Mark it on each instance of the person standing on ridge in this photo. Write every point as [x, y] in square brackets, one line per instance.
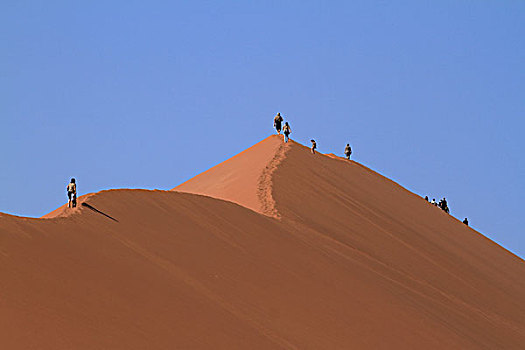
[348, 151]
[286, 131]
[314, 146]
[465, 221]
[72, 194]
[277, 123]
[445, 206]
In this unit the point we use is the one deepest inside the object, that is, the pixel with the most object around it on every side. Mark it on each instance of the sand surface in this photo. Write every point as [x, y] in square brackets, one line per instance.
[275, 248]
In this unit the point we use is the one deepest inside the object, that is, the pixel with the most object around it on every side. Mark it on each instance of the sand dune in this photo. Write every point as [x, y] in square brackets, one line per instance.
[274, 248]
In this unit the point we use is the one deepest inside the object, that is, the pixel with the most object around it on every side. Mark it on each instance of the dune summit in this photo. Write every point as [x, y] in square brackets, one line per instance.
[275, 248]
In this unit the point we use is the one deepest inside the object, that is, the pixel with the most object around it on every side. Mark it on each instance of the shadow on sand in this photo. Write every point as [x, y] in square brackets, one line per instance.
[98, 211]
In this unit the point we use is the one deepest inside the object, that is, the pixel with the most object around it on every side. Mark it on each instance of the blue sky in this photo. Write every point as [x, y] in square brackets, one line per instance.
[135, 94]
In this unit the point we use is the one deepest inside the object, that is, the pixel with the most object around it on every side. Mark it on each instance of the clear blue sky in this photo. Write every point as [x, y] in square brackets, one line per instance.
[147, 94]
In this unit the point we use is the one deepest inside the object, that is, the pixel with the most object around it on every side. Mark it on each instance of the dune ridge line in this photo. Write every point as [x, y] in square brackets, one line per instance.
[274, 248]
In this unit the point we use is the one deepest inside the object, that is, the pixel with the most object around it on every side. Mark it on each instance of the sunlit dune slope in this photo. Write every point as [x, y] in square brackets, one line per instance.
[296, 251]
[243, 179]
[63, 210]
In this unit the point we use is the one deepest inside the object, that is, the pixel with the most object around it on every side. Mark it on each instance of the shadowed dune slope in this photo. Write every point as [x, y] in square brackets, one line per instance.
[296, 251]
[466, 281]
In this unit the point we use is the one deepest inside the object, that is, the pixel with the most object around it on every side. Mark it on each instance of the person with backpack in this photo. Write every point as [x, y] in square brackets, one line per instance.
[465, 221]
[314, 146]
[277, 123]
[72, 194]
[286, 131]
[348, 151]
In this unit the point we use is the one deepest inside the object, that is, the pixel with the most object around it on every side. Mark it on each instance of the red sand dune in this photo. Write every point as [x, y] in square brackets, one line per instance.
[274, 248]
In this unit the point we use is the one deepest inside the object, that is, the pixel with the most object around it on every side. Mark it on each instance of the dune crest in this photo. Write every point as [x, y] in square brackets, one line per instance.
[265, 183]
[275, 248]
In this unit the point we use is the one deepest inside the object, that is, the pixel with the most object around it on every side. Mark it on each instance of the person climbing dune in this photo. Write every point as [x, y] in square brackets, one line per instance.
[286, 131]
[314, 146]
[277, 123]
[72, 194]
[348, 151]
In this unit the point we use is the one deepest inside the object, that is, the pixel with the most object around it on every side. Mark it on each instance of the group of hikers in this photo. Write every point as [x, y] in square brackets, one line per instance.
[277, 122]
[443, 204]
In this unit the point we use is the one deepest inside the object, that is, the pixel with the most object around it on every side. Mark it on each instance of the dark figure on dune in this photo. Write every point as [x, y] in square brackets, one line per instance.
[286, 131]
[72, 194]
[314, 146]
[277, 123]
[444, 205]
[348, 151]
[465, 221]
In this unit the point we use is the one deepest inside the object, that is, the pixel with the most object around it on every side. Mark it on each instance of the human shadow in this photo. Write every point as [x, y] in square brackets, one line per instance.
[89, 206]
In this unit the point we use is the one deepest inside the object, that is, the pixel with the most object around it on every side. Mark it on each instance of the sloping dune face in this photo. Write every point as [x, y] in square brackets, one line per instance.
[243, 179]
[296, 251]
[438, 266]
